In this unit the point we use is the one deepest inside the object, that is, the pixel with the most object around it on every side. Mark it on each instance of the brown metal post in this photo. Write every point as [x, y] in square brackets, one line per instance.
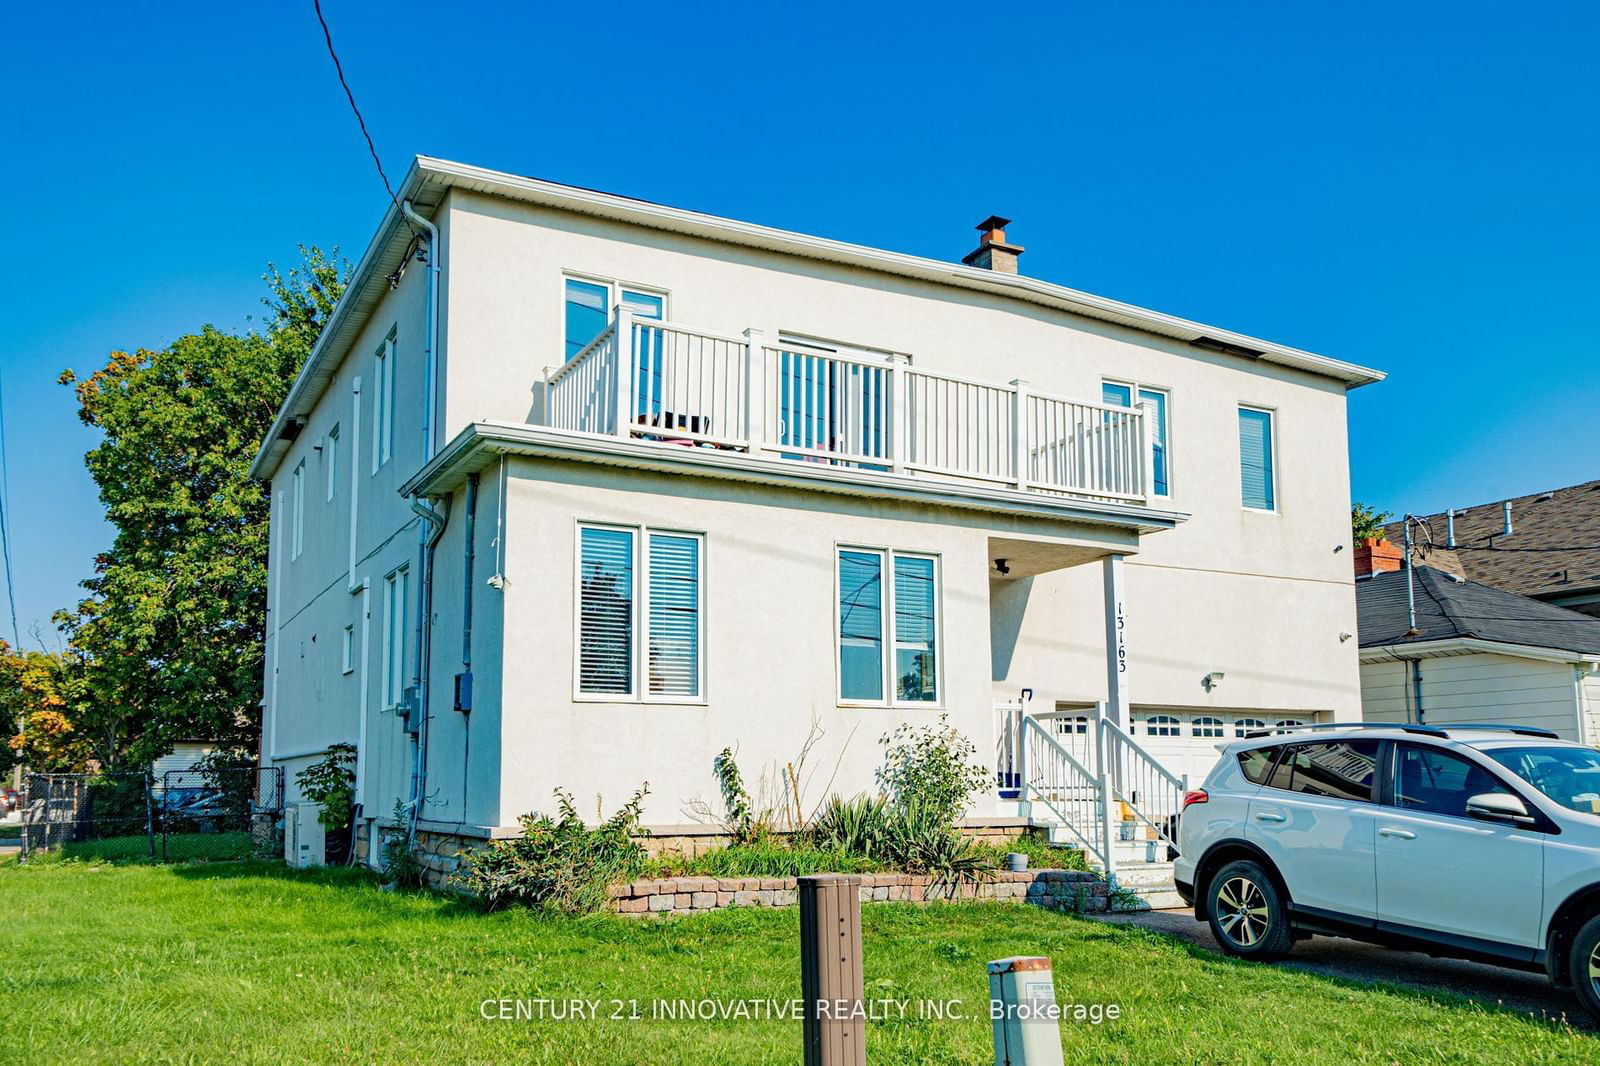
[831, 984]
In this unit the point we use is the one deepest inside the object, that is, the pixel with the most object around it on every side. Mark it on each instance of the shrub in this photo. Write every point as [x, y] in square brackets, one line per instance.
[934, 766]
[332, 784]
[857, 826]
[402, 866]
[921, 840]
[558, 866]
[764, 859]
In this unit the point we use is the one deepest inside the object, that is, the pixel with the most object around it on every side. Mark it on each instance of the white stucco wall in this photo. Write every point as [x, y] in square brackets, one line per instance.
[1262, 598]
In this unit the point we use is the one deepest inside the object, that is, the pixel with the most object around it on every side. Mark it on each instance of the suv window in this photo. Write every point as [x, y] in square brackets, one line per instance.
[1437, 782]
[1256, 762]
[1341, 769]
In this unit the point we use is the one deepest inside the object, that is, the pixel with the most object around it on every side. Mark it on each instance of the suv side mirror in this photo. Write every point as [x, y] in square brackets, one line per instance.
[1499, 807]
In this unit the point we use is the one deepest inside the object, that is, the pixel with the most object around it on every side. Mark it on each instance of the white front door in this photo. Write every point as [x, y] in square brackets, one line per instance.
[1442, 871]
[1314, 819]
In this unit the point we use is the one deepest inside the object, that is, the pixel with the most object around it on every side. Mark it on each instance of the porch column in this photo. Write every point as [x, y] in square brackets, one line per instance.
[1116, 646]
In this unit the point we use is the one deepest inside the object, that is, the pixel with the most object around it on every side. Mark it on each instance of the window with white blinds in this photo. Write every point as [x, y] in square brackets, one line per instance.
[903, 617]
[1257, 478]
[640, 600]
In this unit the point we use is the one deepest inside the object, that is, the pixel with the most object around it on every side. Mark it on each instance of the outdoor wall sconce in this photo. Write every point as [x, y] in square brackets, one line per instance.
[1212, 680]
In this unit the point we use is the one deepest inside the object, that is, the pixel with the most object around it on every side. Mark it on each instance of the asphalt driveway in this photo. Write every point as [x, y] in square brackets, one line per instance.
[1525, 993]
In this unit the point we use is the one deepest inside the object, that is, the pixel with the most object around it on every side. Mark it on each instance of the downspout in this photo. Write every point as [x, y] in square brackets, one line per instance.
[429, 534]
[431, 531]
[1416, 689]
[464, 685]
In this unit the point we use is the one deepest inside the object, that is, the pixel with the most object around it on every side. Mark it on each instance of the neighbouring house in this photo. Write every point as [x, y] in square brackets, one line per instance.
[577, 490]
[1545, 545]
[185, 755]
[1437, 649]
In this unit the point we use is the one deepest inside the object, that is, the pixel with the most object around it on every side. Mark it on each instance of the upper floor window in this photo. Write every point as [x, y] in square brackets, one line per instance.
[1122, 394]
[383, 402]
[588, 304]
[628, 598]
[875, 614]
[297, 501]
[1257, 476]
[330, 460]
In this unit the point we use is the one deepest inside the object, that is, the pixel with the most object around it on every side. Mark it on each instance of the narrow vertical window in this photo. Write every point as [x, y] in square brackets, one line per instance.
[396, 598]
[330, 459]
[605, 611]
[915, 630]
[861, 614]
[383, 403]
[674, 615]
[1256, 474]
[347, 650]
[297, 500]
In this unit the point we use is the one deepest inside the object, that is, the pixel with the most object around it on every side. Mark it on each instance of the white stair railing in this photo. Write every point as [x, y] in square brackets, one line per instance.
[1069, 790]
[1150, 793]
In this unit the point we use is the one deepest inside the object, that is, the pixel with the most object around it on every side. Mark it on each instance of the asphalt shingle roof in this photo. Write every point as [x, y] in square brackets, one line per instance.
[1450, 607]
[1564, 525]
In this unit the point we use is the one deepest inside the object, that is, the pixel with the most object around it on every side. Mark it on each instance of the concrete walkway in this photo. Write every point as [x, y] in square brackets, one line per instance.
[1492, 986]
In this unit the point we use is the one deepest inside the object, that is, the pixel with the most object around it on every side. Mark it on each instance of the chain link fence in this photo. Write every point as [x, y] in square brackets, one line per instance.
[199, 813]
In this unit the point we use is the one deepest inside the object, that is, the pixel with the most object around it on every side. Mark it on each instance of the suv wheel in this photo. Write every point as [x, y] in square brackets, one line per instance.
[1583, 966]
[1247, 913]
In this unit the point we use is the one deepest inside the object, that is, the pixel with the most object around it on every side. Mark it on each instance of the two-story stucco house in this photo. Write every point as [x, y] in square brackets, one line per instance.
[577, 490]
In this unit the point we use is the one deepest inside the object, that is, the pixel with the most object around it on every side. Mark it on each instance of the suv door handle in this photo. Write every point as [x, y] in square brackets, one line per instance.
[1391, 831]
[1269, 816]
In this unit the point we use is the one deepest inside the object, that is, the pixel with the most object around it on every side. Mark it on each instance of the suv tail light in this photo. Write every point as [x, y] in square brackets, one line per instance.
[1196, 796]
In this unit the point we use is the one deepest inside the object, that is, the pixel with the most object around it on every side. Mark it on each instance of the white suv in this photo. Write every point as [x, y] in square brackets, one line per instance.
[1477, 842]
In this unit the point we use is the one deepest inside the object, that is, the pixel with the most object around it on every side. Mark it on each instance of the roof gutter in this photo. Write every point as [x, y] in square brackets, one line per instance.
[1383, 653]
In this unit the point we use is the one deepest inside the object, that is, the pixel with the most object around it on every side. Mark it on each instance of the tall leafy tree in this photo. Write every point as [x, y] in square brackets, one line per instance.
[171, 631]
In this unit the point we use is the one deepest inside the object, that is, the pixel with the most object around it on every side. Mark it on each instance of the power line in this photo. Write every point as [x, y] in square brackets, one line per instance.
[5, 523]
[348, 95]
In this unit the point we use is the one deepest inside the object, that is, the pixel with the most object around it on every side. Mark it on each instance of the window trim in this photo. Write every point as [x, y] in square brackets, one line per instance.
[1134, 389]
[639, 684]
[1275, 481]
[297, 503]
[347, 649]
[889, 700]
[615, 287]
[330, 459]
[395, 604]
[383, 399]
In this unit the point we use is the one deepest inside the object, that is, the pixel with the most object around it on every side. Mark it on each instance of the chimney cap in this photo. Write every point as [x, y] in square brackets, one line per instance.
[993, 222]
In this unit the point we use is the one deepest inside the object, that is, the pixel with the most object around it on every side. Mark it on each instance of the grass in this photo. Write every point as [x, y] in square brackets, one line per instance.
[136, 848]
[249, 962]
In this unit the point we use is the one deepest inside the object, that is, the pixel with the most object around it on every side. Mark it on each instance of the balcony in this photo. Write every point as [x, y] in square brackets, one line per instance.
[665, 383]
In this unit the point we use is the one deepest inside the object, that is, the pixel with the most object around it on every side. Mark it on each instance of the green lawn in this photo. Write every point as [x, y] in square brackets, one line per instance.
[247, 962]
[180, 847]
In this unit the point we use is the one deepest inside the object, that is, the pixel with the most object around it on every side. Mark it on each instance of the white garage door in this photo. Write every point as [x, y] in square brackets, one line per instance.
[1185, 740]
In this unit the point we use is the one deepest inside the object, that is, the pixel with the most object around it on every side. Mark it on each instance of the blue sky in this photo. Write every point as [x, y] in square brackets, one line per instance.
[1411, 186]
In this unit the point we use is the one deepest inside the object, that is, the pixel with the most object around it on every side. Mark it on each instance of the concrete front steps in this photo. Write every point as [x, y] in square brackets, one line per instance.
[1143, 872]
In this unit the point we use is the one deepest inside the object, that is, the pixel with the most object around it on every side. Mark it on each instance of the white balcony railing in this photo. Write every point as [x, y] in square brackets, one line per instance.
[660, 381]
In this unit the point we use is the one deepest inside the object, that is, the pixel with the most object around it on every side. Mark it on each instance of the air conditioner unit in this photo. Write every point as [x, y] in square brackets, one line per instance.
[304, 839]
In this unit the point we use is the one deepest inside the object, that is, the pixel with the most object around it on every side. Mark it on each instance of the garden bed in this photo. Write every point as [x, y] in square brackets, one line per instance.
[1070, 890]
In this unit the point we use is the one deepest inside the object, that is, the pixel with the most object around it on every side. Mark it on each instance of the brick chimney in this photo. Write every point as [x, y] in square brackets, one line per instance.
[1377, 556]
[993, 253]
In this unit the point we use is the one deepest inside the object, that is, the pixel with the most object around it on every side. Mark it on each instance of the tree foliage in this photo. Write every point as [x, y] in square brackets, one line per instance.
[170, 634]
[1367, 521]
[41, 705]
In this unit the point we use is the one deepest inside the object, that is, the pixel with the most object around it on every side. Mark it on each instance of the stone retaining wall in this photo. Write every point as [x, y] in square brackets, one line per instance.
[1067, 890]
